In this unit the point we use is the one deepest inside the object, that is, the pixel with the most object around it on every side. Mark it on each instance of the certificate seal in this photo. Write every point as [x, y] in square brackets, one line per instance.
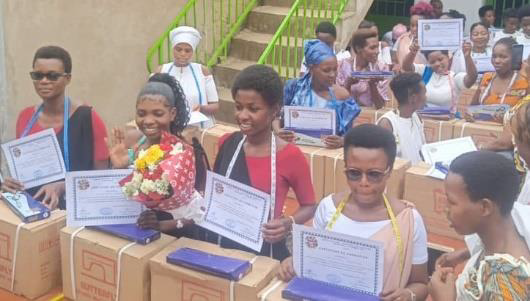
[106, 211]
[17, 152]
[230, 223]
[295, 114]
[219, 188]
[311, 242]
[83, 184]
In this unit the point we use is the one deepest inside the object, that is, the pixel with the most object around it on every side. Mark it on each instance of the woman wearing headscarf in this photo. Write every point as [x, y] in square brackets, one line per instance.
[195, 79]
[317, 89]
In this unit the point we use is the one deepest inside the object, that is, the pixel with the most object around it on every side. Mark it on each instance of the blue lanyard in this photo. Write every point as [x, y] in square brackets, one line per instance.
[34, 119]
[196, 81]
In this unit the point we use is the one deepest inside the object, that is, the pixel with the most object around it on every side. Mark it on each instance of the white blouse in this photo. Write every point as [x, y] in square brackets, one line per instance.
[326, 208]
[442, 89]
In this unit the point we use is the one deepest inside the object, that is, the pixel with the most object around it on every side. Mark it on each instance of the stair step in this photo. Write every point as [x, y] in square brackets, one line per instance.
[267, 19]
[289, 3]
[249, 45]
[226, 106]
[226, 72]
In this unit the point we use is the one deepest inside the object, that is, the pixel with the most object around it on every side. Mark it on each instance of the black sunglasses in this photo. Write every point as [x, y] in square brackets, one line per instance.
[373, 176]
[52, 76]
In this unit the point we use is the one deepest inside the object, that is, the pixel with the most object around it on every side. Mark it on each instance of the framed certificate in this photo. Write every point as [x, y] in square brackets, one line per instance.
[95, 198]
[309, 124]
[440, 34]
[337, 259]
[35, 159]
[235, 211]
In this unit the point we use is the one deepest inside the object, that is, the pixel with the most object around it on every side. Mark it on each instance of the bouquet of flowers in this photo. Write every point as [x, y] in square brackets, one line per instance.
[163, 175]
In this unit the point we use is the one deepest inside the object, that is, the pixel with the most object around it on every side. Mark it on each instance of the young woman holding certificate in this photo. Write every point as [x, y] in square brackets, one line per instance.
[371, 92]
[443, 86]
[161, 108]
[480, 38]
[256, 157]
[481, 190]
[365, 211]
[80, 131]
[317, 89]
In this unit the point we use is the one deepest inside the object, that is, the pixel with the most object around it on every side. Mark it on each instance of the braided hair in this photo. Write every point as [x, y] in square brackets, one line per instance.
[180, 104]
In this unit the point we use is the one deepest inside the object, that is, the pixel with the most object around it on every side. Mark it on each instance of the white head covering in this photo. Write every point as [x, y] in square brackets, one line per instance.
[185, 34]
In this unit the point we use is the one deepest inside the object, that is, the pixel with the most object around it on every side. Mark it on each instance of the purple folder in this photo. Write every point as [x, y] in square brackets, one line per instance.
[130, 232]
[220, 266]
[307, 289]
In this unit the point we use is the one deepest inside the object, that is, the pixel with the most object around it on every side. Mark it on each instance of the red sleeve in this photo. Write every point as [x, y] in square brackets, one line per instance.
[300, 176]
[23, 119]
[223, 139]
[101, 152]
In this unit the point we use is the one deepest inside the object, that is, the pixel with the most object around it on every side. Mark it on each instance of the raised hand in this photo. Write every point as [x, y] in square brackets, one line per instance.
[118, 151]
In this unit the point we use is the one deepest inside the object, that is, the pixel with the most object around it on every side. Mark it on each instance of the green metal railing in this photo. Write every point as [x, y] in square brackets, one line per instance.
[217, 21]
[285, 51]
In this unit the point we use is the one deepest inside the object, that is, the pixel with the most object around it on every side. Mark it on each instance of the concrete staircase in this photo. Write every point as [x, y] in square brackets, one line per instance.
[248, 45]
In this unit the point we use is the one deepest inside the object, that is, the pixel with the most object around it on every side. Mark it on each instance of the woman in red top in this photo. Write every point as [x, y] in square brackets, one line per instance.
[257, 92]
[86, 132]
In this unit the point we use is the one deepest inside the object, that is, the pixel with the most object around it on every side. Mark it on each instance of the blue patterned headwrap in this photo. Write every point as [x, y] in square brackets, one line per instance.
[316, 51]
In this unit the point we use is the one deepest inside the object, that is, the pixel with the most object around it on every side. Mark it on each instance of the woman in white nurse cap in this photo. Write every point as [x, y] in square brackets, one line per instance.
[195, 79]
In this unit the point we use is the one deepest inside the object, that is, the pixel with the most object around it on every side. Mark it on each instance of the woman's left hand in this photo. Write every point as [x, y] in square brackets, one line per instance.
[442, 286]
[51, 194]
[333, 141]
[148, 220]
[466, 48]
[400, 294]
[276, 230]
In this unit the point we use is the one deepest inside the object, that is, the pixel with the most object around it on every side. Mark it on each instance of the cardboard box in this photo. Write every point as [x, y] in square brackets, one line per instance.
[315, 159]
[335, 179]
[96, 264]
[38, 263]
[187, 285]
[273, 291]
[369, 115]
[438, 130]
[480, 132]
[428, 194]
[210, 139]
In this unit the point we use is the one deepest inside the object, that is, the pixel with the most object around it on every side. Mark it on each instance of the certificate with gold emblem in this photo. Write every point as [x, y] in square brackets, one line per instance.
[337, 259]
[235, 211]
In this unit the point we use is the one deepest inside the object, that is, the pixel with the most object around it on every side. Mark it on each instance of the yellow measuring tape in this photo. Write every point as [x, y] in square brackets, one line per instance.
[58, 298]
[393, 220]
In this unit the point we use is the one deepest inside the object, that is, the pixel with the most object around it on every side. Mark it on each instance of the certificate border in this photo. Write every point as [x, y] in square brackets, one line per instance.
[58, 153]
[438, 21]
[74, 189]
[377, 272]
[262, 218]
[333, 126]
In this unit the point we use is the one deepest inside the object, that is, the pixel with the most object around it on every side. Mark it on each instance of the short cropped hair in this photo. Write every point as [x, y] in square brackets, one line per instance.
[488, 175]
[484, 9]
[359, 38]
[507, 41]
[262, 79]
[54, 52]
[326, 27]
[371, 136]
[366, 24]
[524, 11]
[405, 84]
[510, 13]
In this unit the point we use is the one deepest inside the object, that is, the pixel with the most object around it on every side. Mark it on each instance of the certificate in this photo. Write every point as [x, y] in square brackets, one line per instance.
[526, 51]
[372, 74]
[484, 64]
[35, 159]
[346, 261]
[446, 34]
[95, 198]
[309, 124]
[235, 211]
[444, 152]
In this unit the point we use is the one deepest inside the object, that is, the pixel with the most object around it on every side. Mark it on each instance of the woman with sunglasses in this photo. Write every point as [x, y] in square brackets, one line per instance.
[365, 211]
[80, 131]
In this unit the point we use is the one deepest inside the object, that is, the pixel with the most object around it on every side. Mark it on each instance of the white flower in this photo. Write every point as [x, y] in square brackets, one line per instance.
[177, 149]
